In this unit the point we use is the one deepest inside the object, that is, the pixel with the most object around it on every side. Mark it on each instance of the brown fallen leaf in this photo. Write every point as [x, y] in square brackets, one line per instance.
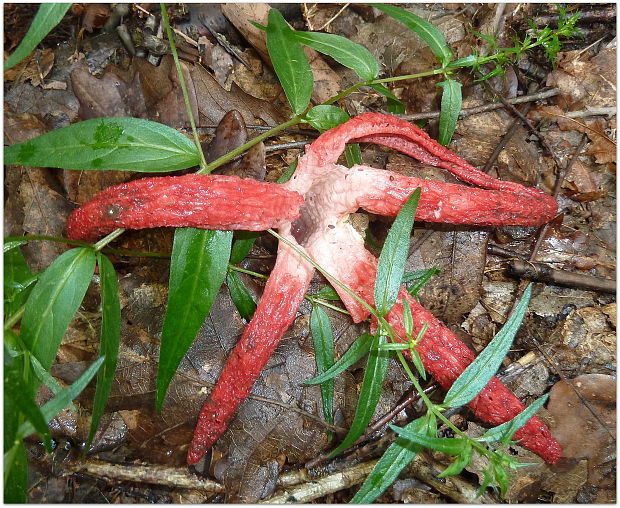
[585, 416]
[34, 68]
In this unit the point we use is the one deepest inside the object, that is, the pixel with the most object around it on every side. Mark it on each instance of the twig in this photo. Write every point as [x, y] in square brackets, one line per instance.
[323, 486]
[156, 475]
[333, 17]
[610, 111]
[487, 107]
[528, 124]
[544, 273]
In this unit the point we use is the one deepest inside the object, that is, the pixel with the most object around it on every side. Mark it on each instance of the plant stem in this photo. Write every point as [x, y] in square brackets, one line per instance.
[55, 239]
[188, 105]
[408, 76]
[107, 239]
[14, 319]
[248, 272]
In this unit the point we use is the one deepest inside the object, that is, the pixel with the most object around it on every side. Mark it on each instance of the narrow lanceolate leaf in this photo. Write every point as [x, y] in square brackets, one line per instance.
[325, 117]
[54, 301]
[344, 51]
[428, 32]
[353, 154]
[48, 16]
[462, 460]
[476, 376]
[129, 144]
[323, 340]
[394, 104]
[451, 101]
[449, 445]
[376, 368]
[21, 399]
[421, 279]
[51, 408]
[197, 270]
[241, 247]
[505, 431]
[18, 280]
[109, 340]
[356, 352]
[393, 256]
[394, 460]
[289, 62]
[240, 295]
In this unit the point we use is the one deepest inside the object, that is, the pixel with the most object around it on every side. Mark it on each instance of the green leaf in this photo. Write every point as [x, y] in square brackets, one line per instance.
[422, 279]
[323, 339]
[394, 460]
[327, 293]
[241, 247]
[16, 475]
[47, 17]
[197, 270]
[12, 244]
[376, 368]
[428, 32]
[353, 154]
[449, 445]
[288, 172]
[21, 399]
[46, 378]
[18, 279]
[451, 101]
[356, 352]
[462, 460]
[54, 301]
[240, 295]
[394, 104]
[344, 51]
[505, 431]
[391, 266]
[476, 376]
[289, 62]
[129, 144]
[324, 117]
[468, 61]
[109, 341]
[63, 399]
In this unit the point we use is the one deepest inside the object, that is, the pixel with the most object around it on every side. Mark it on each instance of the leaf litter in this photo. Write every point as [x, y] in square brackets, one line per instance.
[247, 470]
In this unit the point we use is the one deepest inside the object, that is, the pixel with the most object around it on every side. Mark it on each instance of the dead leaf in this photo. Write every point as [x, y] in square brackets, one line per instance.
[585, 416]
[585, 342]
[95, 16]
[34, 68]
[214, 102]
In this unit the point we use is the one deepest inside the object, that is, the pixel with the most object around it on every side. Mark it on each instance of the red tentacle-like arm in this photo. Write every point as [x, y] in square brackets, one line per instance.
[504, 203]
[444, 356]
[201, 201]
[274, 314]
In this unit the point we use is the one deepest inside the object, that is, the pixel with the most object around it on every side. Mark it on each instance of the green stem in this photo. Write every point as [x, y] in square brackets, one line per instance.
[248, 272]
[107, 239]
[408, 76]
[239, 150]
[14, 319]
[188, 105]
[55, 239]
[318, 301]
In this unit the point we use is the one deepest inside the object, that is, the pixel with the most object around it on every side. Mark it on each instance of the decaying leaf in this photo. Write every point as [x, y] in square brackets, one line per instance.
[34, 68]
[584, 410]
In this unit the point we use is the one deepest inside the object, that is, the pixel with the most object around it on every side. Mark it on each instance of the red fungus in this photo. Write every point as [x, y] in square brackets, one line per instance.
[317, 225]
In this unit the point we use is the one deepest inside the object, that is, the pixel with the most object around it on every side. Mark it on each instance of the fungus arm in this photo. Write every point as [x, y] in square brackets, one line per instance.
[202, 201]
[274, 314]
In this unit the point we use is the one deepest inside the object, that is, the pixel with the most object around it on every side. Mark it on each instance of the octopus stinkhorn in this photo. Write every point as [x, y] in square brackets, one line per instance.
[310, 211]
